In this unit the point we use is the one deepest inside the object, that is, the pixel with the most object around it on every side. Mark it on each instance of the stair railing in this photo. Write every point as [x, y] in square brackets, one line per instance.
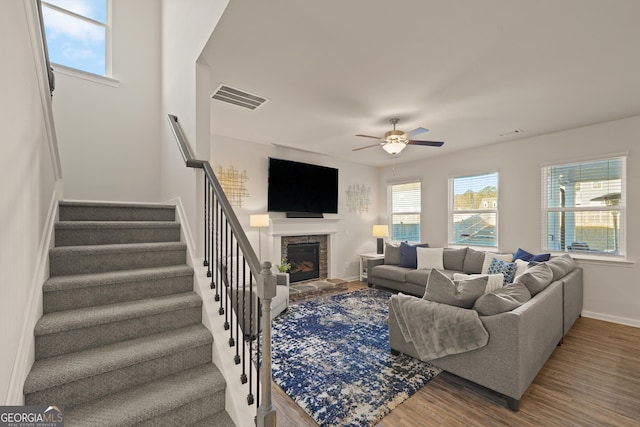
[240, 282]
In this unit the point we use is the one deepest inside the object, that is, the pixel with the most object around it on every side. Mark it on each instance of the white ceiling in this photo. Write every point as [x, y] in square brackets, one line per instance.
[468, 70]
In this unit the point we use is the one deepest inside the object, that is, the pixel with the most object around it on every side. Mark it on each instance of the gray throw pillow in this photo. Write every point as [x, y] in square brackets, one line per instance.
[473, 261]
[502, 300]
[391, 253]
[453, 259]
[536, 278]
[561, 265]
[459, 293]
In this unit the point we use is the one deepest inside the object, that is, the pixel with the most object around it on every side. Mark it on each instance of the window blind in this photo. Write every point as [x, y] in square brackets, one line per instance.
[583, 206]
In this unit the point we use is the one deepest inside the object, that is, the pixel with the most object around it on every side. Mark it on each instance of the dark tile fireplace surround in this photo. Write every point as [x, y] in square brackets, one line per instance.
[307, 255]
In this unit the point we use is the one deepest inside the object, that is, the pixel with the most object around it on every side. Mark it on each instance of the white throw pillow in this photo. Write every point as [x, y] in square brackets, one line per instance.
[488, 256]
[430, 258]
[494, 281]
[521, 268]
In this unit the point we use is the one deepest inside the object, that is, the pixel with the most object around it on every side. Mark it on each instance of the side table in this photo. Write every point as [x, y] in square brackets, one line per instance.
[363, 263]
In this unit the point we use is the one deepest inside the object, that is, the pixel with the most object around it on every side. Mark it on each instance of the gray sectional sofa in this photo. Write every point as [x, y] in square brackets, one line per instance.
[520, 340]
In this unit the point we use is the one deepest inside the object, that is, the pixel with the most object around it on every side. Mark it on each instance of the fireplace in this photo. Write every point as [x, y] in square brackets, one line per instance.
[305, 261]
[307, 255]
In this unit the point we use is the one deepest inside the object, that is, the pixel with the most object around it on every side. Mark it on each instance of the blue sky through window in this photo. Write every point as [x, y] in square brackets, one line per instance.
[75, 42]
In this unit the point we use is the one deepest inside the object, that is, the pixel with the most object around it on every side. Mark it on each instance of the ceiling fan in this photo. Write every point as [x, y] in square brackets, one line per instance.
[394, 141]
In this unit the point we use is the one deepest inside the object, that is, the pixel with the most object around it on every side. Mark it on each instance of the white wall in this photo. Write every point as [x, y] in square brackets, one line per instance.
[186, 26]
[354, 228]
[110, 136]
[611, 290]
[28, 197]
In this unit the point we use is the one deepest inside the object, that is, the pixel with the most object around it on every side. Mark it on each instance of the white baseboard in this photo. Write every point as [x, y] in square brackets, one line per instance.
[613, 319]
[25, 356]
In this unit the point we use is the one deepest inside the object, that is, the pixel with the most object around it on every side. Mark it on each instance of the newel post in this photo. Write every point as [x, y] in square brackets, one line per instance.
[266, 291]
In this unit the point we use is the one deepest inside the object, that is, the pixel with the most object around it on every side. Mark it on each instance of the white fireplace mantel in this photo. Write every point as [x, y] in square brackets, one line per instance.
[306, 226]
[302, 226]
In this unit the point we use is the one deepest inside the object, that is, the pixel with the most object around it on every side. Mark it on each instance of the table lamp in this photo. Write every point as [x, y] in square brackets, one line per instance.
[380, 231]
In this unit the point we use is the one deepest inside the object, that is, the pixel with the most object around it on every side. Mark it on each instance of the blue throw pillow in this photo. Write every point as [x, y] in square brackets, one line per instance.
[409, 255]
[527, 256]
[504, 267]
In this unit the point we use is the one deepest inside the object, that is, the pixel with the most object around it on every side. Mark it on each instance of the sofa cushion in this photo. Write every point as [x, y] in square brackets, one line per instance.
[536, 278]
[417, 277]
[408, 255]
[494, 281]
[489, 256]
[561, 265]
[473, 261]
[502, 300]
[504, 267]
[429, 258]
[391, 253]
[460, 293]
[527, 256]
[390, 272]
[453, 259]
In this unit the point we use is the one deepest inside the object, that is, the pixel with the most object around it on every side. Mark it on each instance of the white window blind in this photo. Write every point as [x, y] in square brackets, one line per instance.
[77, 33]
[405, 211]
[473, 210]
[583, 206]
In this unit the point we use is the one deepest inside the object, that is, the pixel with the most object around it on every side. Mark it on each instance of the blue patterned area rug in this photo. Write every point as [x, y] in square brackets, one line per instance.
[331, 355]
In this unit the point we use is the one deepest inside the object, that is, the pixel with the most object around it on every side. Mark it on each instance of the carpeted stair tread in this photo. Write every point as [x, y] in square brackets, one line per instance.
[91, 316]
[89, 250]
[97, 211]
[222, 419]
[151, 400]
[70, 233]
[85, 259]
[53, 371]
[78, 281]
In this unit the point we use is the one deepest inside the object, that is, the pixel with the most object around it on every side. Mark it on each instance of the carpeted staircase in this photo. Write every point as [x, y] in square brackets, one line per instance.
[121, 340]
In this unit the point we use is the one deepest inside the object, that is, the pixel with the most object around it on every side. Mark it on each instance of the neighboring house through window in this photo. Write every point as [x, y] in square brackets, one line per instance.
[473, 210]
[583, 206]
[77, 33]
[405, 211]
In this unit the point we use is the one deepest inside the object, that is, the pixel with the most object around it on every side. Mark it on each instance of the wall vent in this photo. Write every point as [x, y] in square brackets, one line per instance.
[238, 97]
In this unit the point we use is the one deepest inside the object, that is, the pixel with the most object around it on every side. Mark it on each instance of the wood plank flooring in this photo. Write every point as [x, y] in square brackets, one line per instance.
[592, 379]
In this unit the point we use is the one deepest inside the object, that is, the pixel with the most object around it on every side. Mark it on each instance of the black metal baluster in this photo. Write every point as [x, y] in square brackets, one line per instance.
[212, 246]
[228, 276]
[206, 239]
[219, 256]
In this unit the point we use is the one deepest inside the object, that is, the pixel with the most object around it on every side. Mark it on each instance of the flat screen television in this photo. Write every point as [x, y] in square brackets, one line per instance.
[302, 189]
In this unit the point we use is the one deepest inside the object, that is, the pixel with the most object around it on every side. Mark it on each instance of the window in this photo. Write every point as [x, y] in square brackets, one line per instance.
[77, 34]
[473, 210]
[583, 207]
[405, 211]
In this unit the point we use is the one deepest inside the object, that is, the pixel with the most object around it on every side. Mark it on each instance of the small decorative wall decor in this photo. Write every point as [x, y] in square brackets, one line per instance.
[358, 198]
[233, 183]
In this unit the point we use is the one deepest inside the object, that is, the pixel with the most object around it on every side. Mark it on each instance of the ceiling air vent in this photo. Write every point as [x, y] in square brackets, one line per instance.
[238, 97]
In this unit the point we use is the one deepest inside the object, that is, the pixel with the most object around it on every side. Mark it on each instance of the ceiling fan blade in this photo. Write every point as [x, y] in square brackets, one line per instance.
[416, 132]
[369, 136]
[428, 143]
[368, 146]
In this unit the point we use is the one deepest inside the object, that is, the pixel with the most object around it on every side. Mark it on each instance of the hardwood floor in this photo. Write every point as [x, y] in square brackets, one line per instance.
[592, 379]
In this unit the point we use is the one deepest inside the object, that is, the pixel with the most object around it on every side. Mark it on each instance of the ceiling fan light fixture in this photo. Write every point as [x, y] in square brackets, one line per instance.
[394, 148]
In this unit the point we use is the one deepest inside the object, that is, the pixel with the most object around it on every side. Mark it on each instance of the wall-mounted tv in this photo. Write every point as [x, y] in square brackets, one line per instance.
[302, 189]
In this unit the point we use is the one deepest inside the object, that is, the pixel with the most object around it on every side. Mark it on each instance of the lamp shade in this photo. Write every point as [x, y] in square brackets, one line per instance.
[260, 220]
[380, 231]
[394, 148]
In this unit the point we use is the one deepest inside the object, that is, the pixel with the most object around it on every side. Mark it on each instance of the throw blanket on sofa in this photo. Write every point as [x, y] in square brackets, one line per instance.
[437, 330]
